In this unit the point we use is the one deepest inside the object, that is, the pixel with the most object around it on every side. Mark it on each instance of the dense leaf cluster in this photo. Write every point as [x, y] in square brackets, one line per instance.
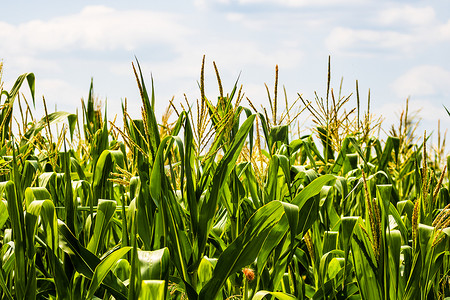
[179, 210]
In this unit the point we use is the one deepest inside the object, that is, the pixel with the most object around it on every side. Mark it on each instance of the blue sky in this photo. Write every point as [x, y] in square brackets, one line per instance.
[398, 49]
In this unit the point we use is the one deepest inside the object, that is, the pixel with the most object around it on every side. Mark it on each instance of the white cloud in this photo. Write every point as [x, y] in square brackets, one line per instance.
[397, 30]
[444, 31]
[425, 80]
[235, 17]
[201, 4]
[362, 41]
[25, 63]
[248, 53]
[393, 41]
[238, 38]
[204, 4]
[428, 89]
[406, 15]
[58, 91]
[301, 3]
[94, 28]
[426, 111]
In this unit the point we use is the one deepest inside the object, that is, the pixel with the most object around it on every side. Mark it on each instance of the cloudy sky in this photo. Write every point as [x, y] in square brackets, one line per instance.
[398, 49]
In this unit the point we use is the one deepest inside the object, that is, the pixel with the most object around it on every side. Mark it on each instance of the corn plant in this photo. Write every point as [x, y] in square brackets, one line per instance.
[220, 201]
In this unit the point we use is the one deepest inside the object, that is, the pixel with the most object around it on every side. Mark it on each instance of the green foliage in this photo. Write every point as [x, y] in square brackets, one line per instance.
[216, 204]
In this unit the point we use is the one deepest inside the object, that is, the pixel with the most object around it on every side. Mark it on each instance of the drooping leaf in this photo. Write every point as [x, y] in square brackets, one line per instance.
[102, 269]
[244, 248]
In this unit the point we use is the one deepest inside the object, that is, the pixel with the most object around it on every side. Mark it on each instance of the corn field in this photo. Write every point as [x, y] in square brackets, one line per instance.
[220, 200]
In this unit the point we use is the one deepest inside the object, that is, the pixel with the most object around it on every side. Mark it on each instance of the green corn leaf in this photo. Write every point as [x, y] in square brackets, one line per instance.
[392, 144]
[206, 269]
[312, 189]
[69, 204]
[152, 289]
[245, 248]
[105, 211]
[29, 171]
[274, 239]
[7, 106]
[357, 147]
[394, 242]
[265, 129]
[16, 215]
[188, 162]
[272, 179]
[15, 89]
[226, 165]
[248, 113]
[345, 234]
[154, 264]
[89, 112]
[448, 112]
[102, 269]
[122, 269]
[327, 144]
[278, 134]
[325, 265]
[424, 257]
[365, 264]
[279, 295]
[52, 118]
[398, 219]
[149, 105]
[3, 213]
[31, 284]
[330, 239]
[158, 173]
[339, 162]
[4, 288]
[308, 204]
[104, 166]
[36, 193]
[179, 245]
[85, 261]
[293, 215]
[46, 210]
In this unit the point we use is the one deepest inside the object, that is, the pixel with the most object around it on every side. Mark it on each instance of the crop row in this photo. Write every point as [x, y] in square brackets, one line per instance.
[219, 202]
